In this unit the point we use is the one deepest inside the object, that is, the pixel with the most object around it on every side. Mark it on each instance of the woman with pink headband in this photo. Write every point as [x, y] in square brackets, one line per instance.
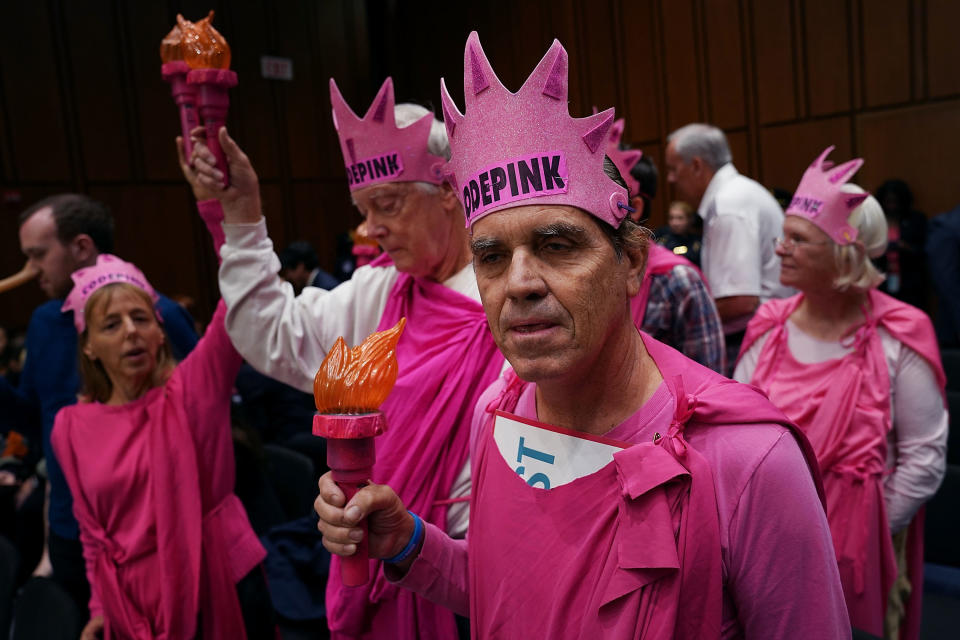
[149, 460]
[618, 489]
[860, 373]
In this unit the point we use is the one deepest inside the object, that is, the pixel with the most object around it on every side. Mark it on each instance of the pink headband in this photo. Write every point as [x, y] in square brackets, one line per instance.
[524, 148]
[820, 199]
[109, 270]
[375, 150]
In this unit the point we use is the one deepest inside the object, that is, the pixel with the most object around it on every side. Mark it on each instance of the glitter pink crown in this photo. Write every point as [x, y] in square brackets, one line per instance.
[820, 199]
[375, 150]
[624, 159]
[524, 148]
[109, 270]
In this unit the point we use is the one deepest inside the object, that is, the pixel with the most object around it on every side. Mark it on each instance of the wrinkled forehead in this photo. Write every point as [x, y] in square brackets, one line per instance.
[380, 190]
[519, 224]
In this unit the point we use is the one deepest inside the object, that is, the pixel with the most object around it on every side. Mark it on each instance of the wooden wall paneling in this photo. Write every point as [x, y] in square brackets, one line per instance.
[94, 50]
[917, 144]
[255, 117]
[600, 62]
[6, 158]
[279, 227]
[682, 91]
[942, 47]
[35, 103]
[338, 54]
[305, 100]
[723, 59]
[787, 150]
[640, 76]
[742, 156]
[886, 51]
[855, 18]
[157, 228]
[323, 211]
[156, 117]
[827, 47]
[773, 56]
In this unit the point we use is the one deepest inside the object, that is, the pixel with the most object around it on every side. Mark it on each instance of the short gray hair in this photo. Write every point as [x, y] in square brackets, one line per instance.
[406, 113]
[704, 141]
[855, 271]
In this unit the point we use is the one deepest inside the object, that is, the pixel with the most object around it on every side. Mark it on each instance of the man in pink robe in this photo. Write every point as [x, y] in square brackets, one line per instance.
[690, 508]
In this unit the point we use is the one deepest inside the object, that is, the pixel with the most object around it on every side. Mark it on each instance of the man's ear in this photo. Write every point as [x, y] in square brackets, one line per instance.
[449, 197]
[83, 249]
[637, 265]
[637, 203]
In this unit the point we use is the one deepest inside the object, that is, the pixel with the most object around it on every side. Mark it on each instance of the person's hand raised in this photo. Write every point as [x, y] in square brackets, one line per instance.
[240, 200]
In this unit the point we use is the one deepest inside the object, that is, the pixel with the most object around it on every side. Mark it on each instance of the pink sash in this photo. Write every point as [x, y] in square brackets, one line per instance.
[447, 358]
[844, 408]
[631, 551]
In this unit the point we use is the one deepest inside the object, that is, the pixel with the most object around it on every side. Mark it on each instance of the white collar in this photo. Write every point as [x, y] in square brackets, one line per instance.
[723, 175]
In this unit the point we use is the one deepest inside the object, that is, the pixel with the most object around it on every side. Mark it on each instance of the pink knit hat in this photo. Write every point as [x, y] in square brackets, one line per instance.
[820, 200]
[109, 270]
[512, 149]
[375, 150]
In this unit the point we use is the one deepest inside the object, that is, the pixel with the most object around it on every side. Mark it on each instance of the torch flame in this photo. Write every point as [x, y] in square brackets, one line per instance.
[358, 380]
[203, 46]
[171, 47]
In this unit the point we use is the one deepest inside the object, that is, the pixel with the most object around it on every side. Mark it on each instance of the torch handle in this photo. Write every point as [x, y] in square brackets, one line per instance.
[355, 569]
[212, 123]
[188, 121]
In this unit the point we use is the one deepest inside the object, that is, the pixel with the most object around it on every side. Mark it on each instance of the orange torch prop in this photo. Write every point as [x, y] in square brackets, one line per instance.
[207, 54]
[174, 71]
[349, 388]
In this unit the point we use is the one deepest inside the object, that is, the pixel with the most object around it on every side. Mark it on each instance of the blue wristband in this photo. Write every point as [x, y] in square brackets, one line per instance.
[412, 544]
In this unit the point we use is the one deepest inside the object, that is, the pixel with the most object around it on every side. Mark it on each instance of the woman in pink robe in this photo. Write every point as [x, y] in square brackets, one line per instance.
[149, 460]
[860, 374]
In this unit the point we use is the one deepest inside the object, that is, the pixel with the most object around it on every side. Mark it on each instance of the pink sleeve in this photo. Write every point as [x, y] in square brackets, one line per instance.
[210, 369]
[211, 212]
[440, 573]
[783, 573]
[61, 449]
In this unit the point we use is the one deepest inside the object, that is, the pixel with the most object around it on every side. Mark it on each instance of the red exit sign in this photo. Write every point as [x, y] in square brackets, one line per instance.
[276, 68]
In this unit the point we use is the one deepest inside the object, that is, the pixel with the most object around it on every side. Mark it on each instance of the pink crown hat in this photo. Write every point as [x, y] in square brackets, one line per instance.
[624, 159]
[375, 150]
[524, 148]
[820, 200]
[109, 270]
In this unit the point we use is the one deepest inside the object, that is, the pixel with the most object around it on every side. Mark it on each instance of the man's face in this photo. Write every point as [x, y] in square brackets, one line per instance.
[53, 260]
[553, 289]
[687, 178]
[409, 223]
[298, 276]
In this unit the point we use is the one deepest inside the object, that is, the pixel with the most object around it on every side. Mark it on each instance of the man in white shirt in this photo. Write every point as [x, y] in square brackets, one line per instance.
[741, 222]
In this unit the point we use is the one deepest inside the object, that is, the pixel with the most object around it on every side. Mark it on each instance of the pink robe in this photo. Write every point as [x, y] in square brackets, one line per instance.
[642, 547]
[844, 408]
[164, 536]
[446, 359]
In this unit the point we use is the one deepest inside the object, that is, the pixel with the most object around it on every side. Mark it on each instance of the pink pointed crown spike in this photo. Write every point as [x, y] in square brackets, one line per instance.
[109, 270]
[512, 149]
[375, 150]
[820, 200]
[624, 159]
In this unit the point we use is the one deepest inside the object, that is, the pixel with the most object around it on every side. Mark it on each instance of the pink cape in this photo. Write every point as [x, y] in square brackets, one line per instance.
[844, 408]
[204, 541]
[447, 358]
[607, 585]
[659, 261]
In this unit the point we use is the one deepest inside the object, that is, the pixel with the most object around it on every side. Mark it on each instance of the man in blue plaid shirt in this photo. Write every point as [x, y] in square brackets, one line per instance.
[679, 309]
